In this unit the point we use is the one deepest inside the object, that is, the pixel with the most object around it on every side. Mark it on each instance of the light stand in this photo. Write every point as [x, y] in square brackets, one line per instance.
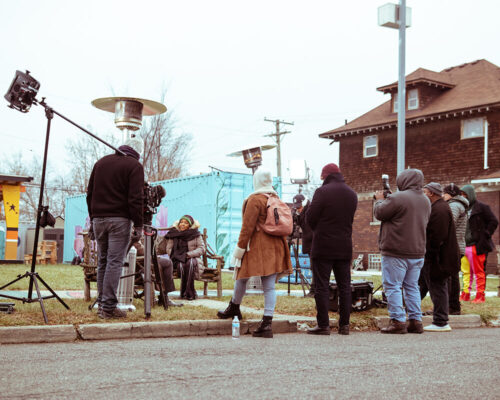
[299, 174]
[32, 275]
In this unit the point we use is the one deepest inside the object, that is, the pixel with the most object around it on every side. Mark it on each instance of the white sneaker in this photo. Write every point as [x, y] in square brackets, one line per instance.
[435, 328]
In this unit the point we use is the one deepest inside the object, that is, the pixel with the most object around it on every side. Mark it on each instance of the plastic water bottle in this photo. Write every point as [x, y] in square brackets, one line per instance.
[236, 327]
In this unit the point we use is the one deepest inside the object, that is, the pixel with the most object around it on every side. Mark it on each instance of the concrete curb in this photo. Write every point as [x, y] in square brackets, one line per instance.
[455, 321]
[37, 334]
[132, 330]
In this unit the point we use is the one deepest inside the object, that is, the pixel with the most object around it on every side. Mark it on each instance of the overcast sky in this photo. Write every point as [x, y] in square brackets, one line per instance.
[226, 66]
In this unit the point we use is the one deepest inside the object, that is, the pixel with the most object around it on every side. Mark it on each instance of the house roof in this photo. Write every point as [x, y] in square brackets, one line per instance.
[14, 178]
[421, 75]
[468, 88]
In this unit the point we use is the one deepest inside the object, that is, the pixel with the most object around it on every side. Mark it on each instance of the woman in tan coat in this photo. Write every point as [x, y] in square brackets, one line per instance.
[258, 254]
[184, 247]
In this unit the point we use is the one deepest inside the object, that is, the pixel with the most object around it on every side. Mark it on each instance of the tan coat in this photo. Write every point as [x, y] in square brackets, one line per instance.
[268, 254]
[196, 248]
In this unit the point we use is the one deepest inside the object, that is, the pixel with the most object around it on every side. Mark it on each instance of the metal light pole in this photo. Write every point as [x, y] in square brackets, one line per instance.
[394, 16]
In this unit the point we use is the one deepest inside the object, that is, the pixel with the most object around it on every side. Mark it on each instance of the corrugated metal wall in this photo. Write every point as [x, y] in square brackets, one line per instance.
[214, 199]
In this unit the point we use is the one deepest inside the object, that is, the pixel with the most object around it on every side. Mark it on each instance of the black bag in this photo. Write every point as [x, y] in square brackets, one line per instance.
[362, 295]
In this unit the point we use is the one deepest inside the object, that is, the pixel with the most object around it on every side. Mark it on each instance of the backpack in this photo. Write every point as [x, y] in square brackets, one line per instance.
[279, 220]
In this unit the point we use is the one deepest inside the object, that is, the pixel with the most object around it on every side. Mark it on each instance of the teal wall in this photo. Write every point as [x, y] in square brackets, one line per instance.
[214, 199]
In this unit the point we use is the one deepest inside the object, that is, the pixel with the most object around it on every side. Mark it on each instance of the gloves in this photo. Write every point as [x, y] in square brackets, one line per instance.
[237, 256]
[136, 234]
[236, 260]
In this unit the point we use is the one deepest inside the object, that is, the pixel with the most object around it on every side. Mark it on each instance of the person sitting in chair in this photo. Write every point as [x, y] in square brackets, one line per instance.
[181, 248]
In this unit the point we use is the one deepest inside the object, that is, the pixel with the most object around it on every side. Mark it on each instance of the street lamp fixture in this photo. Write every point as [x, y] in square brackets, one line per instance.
[391, 16]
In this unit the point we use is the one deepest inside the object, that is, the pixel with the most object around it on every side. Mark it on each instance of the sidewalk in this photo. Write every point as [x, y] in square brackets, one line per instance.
[129, 330]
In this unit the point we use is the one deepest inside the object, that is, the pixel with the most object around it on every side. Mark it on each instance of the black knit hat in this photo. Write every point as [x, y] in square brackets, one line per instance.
[452, 189]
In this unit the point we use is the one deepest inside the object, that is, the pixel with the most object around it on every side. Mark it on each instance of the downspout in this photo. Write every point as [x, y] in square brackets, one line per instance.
[486, 143]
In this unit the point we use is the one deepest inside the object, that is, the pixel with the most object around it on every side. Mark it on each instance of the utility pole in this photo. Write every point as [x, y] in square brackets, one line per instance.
[277, 137]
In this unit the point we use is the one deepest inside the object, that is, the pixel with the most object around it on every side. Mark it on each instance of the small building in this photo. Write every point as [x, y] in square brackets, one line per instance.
[452, 135]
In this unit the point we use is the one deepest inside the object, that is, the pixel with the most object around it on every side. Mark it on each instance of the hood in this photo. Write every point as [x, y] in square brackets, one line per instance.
[410, 179]
[460, 199]
[471, 194]
[263, 180]
[195, 225]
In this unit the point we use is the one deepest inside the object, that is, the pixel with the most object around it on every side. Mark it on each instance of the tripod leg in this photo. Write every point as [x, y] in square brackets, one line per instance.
[51, 291]
[40, 298]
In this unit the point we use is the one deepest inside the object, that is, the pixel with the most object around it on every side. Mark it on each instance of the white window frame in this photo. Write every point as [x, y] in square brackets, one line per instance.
[466, 124]
[413, 99]
[365, 147]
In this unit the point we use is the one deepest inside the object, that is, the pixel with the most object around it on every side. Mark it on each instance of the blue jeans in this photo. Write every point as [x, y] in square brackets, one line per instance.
[268, 284]
[400, 278]
[112, 236]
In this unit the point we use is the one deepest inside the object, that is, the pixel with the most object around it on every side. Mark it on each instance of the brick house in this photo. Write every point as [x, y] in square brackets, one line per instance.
[452, 135]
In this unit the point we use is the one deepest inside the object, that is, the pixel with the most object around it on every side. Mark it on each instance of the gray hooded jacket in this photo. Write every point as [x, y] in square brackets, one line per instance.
[404, 217]
[459, 206]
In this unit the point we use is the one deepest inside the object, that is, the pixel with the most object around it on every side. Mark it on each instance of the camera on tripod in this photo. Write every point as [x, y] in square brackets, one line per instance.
[152, 199]
[385, 186]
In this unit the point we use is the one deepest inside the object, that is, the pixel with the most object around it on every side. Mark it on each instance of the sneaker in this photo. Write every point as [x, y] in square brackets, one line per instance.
[435, 328]
[116, 313]
[465, 296]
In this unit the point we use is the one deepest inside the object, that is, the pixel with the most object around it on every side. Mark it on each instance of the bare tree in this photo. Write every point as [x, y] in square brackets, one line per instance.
[83, 152]
[55, 190]
[166, 151]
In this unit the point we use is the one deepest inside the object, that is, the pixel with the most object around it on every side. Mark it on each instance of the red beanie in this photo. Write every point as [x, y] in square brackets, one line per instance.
[329, 169]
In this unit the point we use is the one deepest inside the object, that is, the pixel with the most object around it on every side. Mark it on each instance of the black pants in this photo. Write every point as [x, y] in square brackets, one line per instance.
[187, 272]
[167, 273]
[322, 269]
[438, 289]
[454, 291]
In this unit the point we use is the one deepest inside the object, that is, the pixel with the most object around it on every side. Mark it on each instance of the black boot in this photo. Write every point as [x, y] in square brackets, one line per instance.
[231, 311]
[265, 329]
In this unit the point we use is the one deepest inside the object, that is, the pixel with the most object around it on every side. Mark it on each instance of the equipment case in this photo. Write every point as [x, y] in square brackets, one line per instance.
[362, 295]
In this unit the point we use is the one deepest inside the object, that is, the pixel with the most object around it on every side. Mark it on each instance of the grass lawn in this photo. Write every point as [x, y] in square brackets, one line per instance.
[69, 277]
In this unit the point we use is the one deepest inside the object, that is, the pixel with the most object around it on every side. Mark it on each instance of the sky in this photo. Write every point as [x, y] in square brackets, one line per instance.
[225, 66]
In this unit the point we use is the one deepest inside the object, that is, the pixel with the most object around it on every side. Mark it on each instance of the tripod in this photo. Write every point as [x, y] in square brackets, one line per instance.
[293, 244]
[33, 276]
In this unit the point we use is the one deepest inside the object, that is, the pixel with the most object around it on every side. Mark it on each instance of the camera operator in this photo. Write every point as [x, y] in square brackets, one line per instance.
[115, 201]
[307, 233]
[404, 216]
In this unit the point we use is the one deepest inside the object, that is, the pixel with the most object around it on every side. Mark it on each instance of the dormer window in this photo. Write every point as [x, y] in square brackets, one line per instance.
[413, 99]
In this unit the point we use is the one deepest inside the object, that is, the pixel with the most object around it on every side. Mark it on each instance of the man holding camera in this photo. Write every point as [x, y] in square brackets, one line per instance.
[404, 216]
[330, 216]
[115, 201]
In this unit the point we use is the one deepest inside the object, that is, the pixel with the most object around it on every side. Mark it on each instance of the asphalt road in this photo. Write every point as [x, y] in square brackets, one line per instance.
[460, 364]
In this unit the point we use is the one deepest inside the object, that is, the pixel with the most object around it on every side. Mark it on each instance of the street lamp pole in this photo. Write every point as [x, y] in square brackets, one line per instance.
[401, 87]
[398, 17]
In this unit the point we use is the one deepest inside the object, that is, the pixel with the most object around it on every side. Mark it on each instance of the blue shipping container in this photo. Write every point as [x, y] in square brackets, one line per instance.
[214, 199]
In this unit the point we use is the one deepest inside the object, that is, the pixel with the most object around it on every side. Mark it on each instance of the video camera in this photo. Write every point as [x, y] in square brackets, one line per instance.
[152, 199]
[385, 186]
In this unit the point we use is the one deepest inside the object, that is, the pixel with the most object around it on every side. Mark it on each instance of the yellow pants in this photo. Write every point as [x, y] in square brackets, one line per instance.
[466, 278]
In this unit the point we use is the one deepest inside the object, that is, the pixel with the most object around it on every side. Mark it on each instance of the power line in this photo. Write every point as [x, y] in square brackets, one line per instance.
[277, 137]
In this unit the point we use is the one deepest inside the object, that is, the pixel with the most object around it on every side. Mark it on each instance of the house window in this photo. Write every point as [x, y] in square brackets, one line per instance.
[472, 128]
[413, 99]
[395, 103]
[370, 146]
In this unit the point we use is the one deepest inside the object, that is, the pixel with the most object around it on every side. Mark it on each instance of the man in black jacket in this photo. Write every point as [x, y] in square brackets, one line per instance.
[115, 201]
[442, 256]
[330, 216]
[481, 225]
